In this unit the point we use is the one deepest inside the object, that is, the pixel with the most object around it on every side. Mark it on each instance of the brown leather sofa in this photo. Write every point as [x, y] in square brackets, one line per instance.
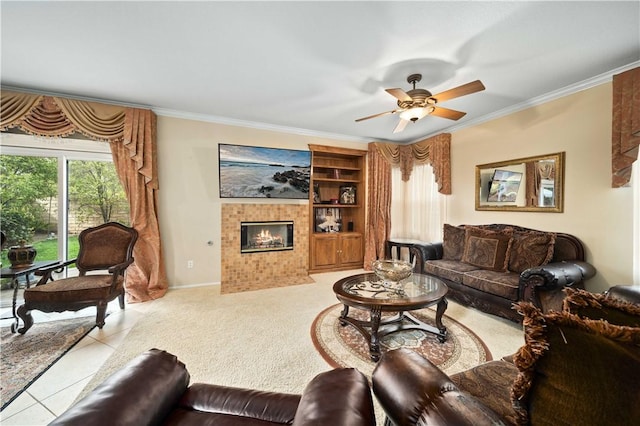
[578, 366]
[153, 389]
[491, 267]
[628, 293]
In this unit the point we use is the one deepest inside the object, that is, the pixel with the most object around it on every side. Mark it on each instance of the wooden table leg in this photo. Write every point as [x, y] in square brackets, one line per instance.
[343, 315]
[374, 344]
[442, 306]
[14, 325]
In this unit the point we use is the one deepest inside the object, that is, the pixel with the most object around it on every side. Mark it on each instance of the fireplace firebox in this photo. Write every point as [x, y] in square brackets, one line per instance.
[266, 236]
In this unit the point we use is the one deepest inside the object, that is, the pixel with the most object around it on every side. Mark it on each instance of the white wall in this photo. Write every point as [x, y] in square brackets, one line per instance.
[580, 125]
[189, 202]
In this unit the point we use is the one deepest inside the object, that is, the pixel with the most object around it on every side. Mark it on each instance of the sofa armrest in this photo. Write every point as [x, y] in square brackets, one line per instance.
[271, 407]
[423, 252]
[120, 267]
[45, 273]
[337, 397]
[414, 391]
[626, 293]
[553, 276]
[431, 251]
[141, 393]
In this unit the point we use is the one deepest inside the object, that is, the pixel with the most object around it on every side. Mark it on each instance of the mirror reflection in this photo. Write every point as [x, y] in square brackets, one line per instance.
[523, 184]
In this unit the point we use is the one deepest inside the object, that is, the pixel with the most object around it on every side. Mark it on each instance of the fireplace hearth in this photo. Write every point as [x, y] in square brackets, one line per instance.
[266, 236]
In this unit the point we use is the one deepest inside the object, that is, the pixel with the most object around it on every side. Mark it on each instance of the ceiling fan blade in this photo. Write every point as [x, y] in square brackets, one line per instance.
[401, 125]
[465, 89]
[451, 114]
[400, 95]
[378, 115]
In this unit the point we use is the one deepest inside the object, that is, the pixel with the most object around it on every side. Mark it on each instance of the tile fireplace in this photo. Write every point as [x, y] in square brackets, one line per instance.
[263, 269]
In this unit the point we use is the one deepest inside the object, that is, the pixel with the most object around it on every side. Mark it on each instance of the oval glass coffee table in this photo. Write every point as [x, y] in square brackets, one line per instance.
[368, 292]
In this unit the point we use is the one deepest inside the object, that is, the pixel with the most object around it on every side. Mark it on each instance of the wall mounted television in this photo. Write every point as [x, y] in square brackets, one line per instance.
[258, 172]
[504, 186]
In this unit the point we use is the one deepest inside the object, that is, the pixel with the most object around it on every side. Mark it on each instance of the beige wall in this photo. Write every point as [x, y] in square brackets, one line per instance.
[189, 202]
[580, 125]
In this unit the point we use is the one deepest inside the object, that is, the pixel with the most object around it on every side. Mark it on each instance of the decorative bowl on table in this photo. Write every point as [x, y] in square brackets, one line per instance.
[393, 270]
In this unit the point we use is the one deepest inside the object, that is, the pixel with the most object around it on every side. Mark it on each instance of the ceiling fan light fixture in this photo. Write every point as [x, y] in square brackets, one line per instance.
[415, 114]
[412, 114]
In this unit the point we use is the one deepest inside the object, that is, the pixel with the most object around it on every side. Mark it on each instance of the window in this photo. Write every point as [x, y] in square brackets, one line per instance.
[417, 208]
[56, 187]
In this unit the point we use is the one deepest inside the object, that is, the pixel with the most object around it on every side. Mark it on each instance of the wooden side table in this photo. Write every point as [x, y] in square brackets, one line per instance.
[15, 274]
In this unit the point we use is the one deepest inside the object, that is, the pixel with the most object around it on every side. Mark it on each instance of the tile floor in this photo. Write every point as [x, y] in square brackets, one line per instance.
[56, 390]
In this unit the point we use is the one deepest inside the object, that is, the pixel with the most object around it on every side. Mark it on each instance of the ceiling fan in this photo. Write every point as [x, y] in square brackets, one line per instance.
[418, 103]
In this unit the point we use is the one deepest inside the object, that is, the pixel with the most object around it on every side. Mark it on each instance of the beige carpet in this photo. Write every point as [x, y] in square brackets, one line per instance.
[261, 339]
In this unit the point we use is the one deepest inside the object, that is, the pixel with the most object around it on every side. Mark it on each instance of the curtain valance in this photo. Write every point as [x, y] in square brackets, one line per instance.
[52, 116]
[131, 133]
[625, 125]
[435, 151]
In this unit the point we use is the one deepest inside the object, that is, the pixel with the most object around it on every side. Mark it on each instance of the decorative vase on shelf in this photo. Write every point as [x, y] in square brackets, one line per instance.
[22, 255]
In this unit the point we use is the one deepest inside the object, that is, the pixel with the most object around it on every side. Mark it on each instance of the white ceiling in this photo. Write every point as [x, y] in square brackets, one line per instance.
[314, 67]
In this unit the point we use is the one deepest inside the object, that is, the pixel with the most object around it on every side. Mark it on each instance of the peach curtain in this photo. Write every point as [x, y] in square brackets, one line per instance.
[625, 126]
[532, 184]
[131, 133]
[378, 205]
[382, 156]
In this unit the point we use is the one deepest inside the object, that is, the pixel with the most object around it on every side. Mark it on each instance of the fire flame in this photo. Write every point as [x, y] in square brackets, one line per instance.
[265, 237]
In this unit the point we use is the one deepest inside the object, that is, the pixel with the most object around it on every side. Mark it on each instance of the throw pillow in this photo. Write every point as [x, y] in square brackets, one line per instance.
[530, 249]
[452, 242]
[601, 306]
[575, 368]
[487, 249]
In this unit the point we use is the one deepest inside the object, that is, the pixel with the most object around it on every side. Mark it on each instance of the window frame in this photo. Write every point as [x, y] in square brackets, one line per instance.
[65, 150]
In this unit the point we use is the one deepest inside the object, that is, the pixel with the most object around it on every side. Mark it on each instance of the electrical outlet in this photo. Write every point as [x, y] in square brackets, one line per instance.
[189, 264]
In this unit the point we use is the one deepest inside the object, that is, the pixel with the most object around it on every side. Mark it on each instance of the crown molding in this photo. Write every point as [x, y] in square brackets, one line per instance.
[256, 125]
[539, 100]
[74, 97]
[197, 117]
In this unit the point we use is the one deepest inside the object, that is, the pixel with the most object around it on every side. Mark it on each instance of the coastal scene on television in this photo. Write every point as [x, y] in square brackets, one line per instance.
[257, 172]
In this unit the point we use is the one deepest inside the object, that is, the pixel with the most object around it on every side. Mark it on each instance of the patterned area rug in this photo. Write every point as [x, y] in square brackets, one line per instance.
[26, 357]
[344, 346]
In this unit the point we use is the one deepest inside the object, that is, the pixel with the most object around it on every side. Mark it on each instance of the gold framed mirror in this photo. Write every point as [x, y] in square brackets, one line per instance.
[532, 184]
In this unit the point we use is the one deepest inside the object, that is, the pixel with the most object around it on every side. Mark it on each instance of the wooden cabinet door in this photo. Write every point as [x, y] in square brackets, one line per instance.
[351, 249]
[325, 251]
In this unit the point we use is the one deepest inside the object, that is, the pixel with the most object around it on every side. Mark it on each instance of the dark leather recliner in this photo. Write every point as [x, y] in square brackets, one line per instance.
[153, 389]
